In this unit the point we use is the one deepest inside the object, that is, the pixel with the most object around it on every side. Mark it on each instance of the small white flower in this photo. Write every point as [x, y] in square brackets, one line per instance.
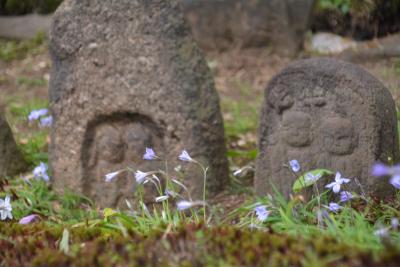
[262, 212]
[311, 178]
[184, 205]
[149, 154]
[141, 176]
[184, 156]
[161, 198]
[110, 176]
[36, 114]
[5, 208]
[382, 232]
[46, 121]
[295, 165]
[394, 223]
[337, 183]
[334, 207]
[40, 172]
[237, 172]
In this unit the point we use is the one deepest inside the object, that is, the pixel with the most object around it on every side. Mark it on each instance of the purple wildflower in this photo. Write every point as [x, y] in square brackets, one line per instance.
[110, 176]
[380, 169]
[184, 205]
[395, 181]
[311, 178]
[262, 212]
[46, 121]
[334, 207]
[149, 154]
[141, 176]
[40, 172]
[337, 183]
[294, 164]
[184, 156]
[345, 196]
[28, 219]
[36, 114]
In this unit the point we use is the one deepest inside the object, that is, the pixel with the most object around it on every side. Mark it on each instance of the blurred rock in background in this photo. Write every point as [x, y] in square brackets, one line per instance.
[220, 25]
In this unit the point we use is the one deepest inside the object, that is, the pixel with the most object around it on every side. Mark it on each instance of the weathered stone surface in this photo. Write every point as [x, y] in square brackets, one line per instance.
[326, 114]
[11, 159]
[249, 23]
[127, 75]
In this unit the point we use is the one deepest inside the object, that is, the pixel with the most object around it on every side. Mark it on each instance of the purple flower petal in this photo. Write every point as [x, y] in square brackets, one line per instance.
[28, 219]
[334, 207]
[380, 169]
[149, 154]
[336, 188]
[345, 196]
[294, 164]
[110, 176]
[184, 205]
[141, 176]
[184, 156]
[395, 181]
[262, 212]
[46, 121]
[36, 114]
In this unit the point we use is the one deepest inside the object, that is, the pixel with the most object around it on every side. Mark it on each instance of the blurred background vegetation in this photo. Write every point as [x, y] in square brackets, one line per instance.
[359, 19]
[22, 7]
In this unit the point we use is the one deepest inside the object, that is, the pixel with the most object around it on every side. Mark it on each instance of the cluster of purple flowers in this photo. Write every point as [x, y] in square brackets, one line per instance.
[335, 185]
[40, 172]
[45, 120]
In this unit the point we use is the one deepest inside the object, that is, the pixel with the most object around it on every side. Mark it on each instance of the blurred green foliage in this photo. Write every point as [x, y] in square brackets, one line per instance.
[342, 5]
[11, 49]
[20, 7]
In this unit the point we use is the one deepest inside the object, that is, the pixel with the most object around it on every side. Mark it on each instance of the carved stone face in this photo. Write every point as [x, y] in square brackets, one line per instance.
[296, 129]
[118, 142]
[338, 136]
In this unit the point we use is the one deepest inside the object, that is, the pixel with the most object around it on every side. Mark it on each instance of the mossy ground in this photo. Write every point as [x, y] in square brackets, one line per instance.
[95, 240]
[189, 245]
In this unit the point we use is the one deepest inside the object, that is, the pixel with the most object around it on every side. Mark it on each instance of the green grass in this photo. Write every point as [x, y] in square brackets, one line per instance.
[11, 50]
[36, 138]
[29, 82]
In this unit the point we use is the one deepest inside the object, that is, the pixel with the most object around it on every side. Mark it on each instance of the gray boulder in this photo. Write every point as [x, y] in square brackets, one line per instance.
[127, 75]
[327, 114]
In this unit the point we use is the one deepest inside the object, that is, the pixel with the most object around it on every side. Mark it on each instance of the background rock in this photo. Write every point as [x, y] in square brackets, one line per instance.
[24, 27]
